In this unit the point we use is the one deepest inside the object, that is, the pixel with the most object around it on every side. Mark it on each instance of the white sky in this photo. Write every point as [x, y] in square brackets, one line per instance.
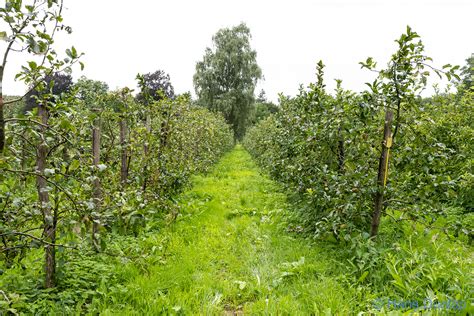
[122, 38]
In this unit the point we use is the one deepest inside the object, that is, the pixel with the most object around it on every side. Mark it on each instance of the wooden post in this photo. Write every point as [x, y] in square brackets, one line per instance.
[383, 172]
[146, 146]
[97, 193]
[341, 156]
[23, 158]
[49, 229]
[2, 118]
[123, 145]
[146, 149]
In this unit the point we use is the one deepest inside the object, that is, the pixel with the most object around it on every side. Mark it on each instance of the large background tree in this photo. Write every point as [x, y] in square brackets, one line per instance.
[155, 85]
[226, 77]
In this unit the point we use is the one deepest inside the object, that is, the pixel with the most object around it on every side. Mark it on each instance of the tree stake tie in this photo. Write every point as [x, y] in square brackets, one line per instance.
[388, 145]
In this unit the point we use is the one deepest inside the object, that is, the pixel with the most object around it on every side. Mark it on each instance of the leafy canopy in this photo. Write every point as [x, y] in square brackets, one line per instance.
[155, 86]
[226, 77]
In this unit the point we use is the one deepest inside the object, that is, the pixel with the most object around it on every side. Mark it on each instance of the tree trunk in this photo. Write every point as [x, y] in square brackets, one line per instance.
[23, 159]
[97, 193]
[341, 156]
[383, 173]
[49, 229]
[146, 150]
[164, 133]
[2, 115]
[123, 145]
[2, 122]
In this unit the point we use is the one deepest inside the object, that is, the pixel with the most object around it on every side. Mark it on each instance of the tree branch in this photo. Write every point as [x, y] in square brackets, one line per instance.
[35, 238]
[48, 181]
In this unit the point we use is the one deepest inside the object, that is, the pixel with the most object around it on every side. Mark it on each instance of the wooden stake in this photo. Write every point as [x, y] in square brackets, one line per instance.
[383, 172]
[146, 150]
[123, 145]
[49, 221]
[97, 193]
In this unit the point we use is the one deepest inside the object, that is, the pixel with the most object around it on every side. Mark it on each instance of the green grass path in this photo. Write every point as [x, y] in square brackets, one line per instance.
[229, 253]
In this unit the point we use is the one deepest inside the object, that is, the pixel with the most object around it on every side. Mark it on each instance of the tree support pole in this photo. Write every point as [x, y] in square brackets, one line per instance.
[383, 173]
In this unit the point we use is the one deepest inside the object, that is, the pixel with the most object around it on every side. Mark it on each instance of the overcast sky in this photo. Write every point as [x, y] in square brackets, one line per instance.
[122, 38]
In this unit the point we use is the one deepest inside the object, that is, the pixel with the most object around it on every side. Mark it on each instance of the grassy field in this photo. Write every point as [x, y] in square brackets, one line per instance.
[232, 246]
[229, 252]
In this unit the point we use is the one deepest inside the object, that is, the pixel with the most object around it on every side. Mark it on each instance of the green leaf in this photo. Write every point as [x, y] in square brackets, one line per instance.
[363, 276]
[74, 165]
[74, 52]
[32, 65]
[65, 124]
